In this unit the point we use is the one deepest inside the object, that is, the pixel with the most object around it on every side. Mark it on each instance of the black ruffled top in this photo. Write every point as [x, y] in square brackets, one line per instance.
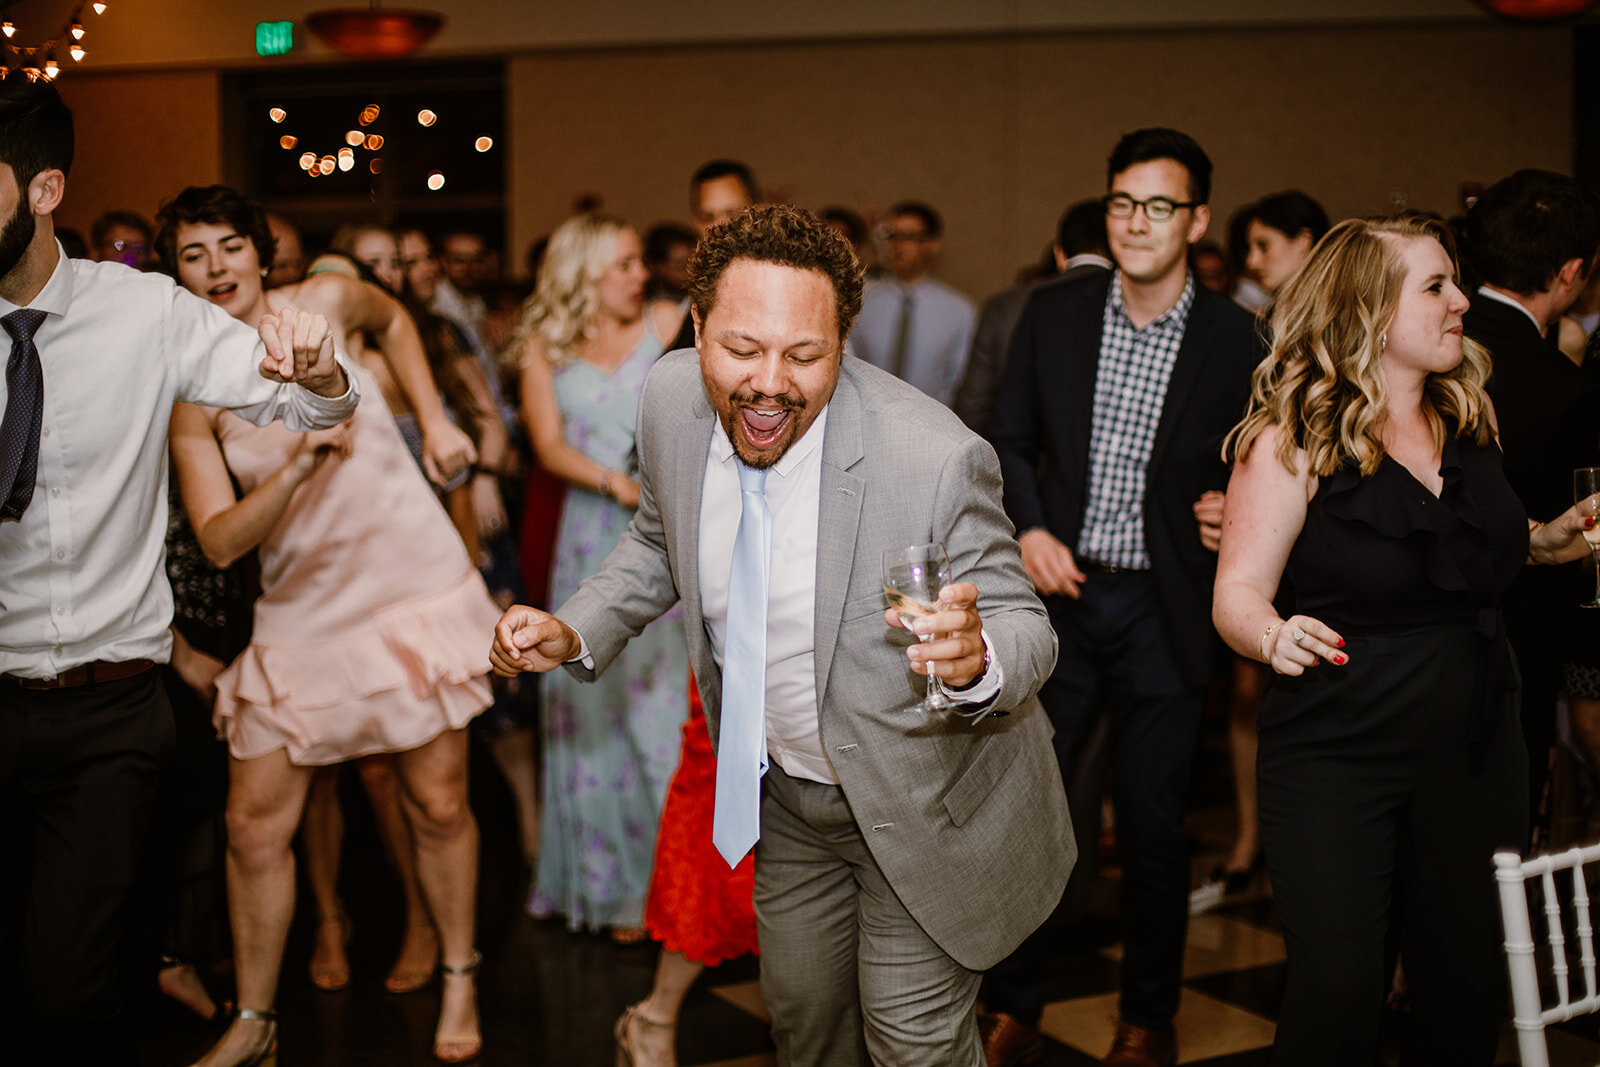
[1383, 553]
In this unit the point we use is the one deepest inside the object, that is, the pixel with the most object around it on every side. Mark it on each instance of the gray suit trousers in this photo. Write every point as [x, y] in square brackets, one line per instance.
[847, 974]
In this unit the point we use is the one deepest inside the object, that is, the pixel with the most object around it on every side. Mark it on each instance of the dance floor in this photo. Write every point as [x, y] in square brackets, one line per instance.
[549, 997]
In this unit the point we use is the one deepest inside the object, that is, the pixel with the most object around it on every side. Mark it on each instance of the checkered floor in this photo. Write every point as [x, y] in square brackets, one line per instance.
[549, 996]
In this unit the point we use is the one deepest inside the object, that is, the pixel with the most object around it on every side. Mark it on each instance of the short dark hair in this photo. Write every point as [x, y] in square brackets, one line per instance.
[728, 168]
[1290, 212]
[1082, 229]
[660, 239]
[130, 219]
[1158, 142]
[930, 218]
[35, 129]
[1524, 227]
[855, 227]
[787, 236]
[219, 204]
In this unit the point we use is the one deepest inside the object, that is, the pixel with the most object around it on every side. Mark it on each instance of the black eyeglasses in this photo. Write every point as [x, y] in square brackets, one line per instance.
[1156, 209]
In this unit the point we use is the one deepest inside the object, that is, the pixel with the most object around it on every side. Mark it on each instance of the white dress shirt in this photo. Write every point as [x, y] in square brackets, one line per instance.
[794, 737]
[82, 576]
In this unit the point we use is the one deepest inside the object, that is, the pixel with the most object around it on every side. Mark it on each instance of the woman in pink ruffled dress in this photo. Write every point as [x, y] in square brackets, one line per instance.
[369, 635]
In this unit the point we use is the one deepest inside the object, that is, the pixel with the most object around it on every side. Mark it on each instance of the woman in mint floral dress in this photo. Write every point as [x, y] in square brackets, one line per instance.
[610, 746]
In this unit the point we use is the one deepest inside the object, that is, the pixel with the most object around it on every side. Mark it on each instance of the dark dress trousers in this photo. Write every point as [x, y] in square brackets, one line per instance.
[1137, 647]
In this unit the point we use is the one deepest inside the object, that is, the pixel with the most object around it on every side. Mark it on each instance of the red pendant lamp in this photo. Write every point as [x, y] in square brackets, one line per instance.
[375, 32]
[1538, 10]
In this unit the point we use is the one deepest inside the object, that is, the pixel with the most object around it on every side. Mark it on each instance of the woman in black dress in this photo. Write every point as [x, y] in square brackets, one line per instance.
[1391, 763]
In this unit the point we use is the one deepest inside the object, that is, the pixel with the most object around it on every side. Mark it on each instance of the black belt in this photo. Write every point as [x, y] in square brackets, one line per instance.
[1096, 567]
[83, 674]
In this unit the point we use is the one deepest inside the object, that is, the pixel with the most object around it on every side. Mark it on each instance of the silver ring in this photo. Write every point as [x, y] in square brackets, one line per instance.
[1298, 636]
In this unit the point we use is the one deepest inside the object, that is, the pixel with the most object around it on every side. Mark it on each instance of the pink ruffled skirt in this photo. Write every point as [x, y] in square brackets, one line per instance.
[414, 670]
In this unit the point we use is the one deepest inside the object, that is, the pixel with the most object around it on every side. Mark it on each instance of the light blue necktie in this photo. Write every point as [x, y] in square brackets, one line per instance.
[742, 744]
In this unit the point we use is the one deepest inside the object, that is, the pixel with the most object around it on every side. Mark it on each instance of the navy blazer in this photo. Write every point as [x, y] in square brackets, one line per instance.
[1042, 435]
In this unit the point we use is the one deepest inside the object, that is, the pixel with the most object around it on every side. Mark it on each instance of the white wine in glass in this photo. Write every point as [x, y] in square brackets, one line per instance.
[1586, 491]
[912, 578]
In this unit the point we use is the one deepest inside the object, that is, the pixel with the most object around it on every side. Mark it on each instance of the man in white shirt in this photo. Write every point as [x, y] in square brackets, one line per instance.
[897, 853]
[913, 325]
[99, 353]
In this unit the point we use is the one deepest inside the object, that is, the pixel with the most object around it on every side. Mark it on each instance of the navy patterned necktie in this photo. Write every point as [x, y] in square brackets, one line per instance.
[19, 432]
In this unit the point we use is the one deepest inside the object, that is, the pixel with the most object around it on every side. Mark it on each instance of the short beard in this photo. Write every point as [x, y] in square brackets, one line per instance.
[730, 426]
[17, 236]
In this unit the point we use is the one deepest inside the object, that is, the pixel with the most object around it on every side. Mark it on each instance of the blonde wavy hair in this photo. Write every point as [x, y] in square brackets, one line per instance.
[562, 310]
[1323, 384]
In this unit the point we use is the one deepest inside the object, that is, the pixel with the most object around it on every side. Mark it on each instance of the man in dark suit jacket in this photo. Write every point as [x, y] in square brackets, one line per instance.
[1119, 392]
[1080, 252]
[1532, 239]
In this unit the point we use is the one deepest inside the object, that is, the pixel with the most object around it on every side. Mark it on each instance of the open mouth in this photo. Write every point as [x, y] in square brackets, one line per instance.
[763, 427]
[223, 291]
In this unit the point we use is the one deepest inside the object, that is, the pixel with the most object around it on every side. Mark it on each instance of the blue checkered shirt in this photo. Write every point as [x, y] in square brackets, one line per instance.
[1129, 391]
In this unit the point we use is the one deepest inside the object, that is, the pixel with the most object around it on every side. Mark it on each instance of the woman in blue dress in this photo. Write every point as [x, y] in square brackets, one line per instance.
[610, 746]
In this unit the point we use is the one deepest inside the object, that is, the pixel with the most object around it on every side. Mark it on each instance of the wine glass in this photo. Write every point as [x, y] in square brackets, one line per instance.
[912, 578]
[1586, 491]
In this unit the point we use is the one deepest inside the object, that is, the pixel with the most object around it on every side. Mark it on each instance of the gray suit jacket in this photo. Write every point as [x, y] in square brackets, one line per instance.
[967, 819]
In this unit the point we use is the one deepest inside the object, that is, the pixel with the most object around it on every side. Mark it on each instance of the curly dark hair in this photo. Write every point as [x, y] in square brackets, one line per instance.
[787, 236]
[218, 204]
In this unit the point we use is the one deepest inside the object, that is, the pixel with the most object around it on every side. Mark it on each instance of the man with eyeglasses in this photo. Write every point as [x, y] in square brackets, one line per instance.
[912, 324]
[1117, 395]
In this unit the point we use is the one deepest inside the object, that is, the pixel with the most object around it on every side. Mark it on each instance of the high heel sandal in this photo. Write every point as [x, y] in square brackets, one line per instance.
[626, 1054]
[332, 979]
[459, 1048]
[264, 1051]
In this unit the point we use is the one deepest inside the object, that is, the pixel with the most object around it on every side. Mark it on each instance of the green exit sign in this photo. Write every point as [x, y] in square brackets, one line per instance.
[274, 38]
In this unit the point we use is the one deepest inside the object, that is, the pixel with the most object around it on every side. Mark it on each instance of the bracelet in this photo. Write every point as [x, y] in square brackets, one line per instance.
[604, 488]
[1265, 658]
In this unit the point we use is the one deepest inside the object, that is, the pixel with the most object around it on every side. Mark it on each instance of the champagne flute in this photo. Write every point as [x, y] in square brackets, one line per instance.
[1586, 491]
[912, 578]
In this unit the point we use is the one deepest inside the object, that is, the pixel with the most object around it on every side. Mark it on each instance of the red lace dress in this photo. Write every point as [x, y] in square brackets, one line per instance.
[697, 906]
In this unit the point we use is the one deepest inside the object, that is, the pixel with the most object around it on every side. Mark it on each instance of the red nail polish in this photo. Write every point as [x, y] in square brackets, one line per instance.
[1341, 660]
[1341, 642]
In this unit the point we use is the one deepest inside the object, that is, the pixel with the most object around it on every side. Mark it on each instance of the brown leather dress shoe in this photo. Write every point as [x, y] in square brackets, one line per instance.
[1007, 1041]
[1137, 1047]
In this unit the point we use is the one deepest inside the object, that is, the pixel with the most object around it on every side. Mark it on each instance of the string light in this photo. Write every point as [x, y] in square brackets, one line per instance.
[69, 39]
[436, 181]
[426, 117]
[277, 114]
[354, 137]
[369, 114]
[374, 142]
[288, 141]
[483, 144]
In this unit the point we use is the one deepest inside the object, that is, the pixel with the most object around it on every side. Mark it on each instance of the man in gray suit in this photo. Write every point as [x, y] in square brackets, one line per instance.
[900, 853]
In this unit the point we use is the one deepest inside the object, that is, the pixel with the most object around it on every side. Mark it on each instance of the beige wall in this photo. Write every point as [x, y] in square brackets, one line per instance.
[1000, 133]
[141, 137]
